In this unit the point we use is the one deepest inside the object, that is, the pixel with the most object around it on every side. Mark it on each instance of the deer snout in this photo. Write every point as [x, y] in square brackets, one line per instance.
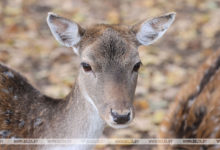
[121, 117]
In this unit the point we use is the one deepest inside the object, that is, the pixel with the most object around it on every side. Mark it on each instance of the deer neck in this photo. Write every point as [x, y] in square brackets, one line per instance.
[78, 116]
[90, 119]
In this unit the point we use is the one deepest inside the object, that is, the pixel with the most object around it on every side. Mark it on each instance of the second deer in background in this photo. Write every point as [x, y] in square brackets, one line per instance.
[195, 112]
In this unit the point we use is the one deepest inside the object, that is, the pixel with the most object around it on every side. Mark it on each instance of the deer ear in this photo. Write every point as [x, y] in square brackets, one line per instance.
[149, 31]
[66, 32]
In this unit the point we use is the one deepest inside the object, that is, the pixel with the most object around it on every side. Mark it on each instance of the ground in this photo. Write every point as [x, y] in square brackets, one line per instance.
[27, 45]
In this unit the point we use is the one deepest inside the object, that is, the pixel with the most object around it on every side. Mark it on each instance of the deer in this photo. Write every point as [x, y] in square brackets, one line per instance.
[195, 110]
[102, 94]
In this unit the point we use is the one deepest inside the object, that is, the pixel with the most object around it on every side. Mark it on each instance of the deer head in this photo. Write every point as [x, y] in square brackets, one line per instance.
[109, 61]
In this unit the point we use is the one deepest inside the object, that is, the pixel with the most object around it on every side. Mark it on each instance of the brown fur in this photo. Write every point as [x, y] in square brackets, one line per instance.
[27, 113]
[200, 119]
[96, 31]
[112, 52]
[16, 92]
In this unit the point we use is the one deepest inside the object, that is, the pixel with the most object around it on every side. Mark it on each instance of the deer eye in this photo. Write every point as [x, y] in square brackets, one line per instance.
[86, 67]
[136, 67]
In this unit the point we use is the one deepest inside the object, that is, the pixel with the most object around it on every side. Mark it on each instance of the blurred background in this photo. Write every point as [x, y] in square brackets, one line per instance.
[27, 45]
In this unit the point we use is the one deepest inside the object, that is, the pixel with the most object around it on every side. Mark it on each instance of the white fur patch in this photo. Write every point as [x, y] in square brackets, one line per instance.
[163, 128]
[88, 98]
[76, 50]
[9, 74]
[191, 102]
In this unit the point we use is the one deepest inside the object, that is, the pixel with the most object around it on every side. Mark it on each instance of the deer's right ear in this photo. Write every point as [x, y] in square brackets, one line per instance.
[66, 32]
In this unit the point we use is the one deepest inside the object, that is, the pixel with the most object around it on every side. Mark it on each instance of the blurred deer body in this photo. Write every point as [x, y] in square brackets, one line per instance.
[26, 113]
[195, 112]
[102, 94]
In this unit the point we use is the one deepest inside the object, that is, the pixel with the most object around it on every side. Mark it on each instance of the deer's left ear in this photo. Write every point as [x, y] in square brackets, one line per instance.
[147, 32]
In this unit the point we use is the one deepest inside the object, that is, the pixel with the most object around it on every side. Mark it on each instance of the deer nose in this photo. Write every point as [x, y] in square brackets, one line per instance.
[120, 118]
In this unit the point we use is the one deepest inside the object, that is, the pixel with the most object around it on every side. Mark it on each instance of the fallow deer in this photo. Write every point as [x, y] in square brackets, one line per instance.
[195, 112]
[102, 94]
